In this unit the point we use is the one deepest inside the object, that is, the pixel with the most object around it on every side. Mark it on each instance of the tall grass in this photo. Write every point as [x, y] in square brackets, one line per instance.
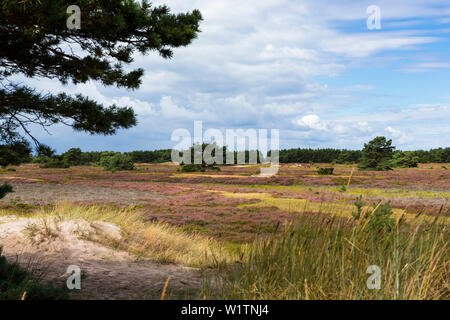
[323, 258]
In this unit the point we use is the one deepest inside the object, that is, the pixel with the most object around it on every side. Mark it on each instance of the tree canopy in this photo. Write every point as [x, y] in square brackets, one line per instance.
[36, 43]
[377, 154]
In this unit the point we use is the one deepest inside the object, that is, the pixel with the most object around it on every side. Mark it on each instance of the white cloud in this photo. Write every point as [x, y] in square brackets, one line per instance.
[312, 121]
[261, 64]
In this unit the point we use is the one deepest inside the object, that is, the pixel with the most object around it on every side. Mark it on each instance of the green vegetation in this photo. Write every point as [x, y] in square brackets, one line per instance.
[5, 189]
[377, 155]
[379, 219]
[327, 155]
[116, 162]
[325, 171]
[400, 159]
[17, 283]
[328, 258]
[404, 160]
[41, 46]
[337, 156]
[197, 168]
[156, 156]
[14, 153]
[56, 162]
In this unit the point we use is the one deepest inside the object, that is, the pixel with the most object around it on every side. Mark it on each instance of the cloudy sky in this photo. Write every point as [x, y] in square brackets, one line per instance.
[310, 68]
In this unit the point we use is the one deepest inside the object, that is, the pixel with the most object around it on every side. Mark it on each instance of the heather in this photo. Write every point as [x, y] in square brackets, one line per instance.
[236, 204]
[236, 224]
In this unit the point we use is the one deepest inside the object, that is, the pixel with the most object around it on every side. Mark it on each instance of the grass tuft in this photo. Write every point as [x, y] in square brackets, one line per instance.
[323, 258]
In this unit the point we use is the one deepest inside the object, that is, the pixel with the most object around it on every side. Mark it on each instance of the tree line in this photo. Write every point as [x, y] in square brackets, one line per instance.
[342, 156]
[75, 156]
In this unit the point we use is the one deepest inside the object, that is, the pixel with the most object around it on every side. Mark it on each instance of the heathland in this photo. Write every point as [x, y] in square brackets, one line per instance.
[233, 233]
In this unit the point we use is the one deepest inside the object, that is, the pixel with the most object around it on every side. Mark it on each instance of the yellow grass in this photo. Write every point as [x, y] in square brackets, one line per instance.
[154, 240]
[334, 208]
[370, 192]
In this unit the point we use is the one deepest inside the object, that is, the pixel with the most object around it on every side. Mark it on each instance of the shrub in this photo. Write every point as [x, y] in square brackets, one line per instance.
[325, 171]
[378, 219]
[56, 163]
[197, 168]
[404, 160]
[192, 168]
[359, 205]
[74, 157]
[116, 162]
[5, 189]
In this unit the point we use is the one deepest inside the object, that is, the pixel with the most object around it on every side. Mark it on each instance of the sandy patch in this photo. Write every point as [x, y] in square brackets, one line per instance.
[107, 273]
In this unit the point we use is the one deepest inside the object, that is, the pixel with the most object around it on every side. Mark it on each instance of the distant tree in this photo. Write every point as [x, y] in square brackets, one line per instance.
[45, 151]
[116, 162]
[377, 155]
[56, 162]
[15, 153]
[73, 156]
[36, 42]
[404, 160]
[344, 157]
[197, 152]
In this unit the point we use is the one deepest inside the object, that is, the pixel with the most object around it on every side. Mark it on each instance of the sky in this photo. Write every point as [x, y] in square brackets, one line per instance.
[310, 68]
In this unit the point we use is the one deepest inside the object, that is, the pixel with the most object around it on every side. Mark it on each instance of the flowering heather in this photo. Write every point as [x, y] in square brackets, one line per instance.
[197, 202]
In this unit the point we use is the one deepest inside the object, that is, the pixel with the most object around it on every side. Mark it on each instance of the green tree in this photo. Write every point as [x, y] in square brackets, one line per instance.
[36, 42]
[115, 162]
[73, 156]
[15, 153]
[377, 154]
[404, 160]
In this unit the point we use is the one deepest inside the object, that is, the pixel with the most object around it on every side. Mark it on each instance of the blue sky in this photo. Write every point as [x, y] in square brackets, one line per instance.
[311, 69]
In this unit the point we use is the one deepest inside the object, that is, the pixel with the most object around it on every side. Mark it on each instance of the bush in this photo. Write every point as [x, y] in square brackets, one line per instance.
[116, 162]
[14, 281]
[192, 168]
[325, 171]
[378, 219]
[74, 157]
[5, 189]
[197, 168]
[404, 160]
[56, 163]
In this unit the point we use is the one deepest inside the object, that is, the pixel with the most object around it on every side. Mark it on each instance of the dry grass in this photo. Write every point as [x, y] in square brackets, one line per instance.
[155, 240]
[323, 259]
[330, 207]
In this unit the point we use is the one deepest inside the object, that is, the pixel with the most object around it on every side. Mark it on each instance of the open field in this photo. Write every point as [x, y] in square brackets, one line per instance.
[234, 204]
[209, 220]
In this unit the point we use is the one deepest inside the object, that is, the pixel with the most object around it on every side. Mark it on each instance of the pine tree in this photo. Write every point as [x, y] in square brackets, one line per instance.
[377, 154]
[36, 42]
